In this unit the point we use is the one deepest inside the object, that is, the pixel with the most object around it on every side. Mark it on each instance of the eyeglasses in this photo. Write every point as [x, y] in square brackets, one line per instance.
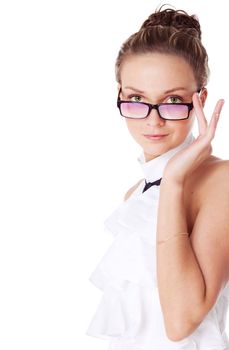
[141, 110]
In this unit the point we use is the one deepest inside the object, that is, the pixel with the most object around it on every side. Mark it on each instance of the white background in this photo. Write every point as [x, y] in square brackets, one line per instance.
[66, 158]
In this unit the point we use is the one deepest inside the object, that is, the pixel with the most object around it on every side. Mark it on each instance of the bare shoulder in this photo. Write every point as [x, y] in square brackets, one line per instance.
[214, 176]
[217, 165]
[131, 190]
[208, 191]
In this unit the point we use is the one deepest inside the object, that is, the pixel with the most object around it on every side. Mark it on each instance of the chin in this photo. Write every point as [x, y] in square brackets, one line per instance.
[156, 151]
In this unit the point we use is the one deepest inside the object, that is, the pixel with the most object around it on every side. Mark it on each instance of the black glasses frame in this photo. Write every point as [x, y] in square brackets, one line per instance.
[153, 106]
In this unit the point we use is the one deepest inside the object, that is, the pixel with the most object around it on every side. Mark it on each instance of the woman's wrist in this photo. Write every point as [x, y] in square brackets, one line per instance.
[171, 184]
[171, 213]
[173, 237]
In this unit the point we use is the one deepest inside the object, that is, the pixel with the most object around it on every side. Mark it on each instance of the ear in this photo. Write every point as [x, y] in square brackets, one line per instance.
[203, 95]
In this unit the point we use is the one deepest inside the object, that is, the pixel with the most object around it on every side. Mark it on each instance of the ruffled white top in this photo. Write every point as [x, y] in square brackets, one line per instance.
[129, 314]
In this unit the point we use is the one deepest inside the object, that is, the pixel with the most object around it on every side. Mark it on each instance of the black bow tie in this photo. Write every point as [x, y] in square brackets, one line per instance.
[149, 184]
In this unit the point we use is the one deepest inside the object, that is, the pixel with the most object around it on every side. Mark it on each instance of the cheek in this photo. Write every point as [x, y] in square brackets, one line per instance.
[190, 121]
[182, 129]
[134, 126]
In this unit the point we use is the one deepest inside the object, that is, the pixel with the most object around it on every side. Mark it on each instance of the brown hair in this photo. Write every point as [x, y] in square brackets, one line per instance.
[171, 32]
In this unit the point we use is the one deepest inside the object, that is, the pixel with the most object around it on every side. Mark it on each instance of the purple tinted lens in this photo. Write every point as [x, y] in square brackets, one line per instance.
[173, 111]
[134, 110]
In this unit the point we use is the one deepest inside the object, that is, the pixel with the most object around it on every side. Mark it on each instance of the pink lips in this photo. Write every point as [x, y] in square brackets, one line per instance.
[156, 136]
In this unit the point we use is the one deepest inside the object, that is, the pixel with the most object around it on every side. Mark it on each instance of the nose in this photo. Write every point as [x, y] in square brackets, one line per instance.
[154, 119]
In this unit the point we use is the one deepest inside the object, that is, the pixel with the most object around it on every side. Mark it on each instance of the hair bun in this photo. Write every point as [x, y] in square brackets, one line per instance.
[174, 18]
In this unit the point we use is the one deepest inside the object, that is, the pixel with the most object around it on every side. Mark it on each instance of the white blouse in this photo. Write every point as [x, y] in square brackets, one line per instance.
[129, 314]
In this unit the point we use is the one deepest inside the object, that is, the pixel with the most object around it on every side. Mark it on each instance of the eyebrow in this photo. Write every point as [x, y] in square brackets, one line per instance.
[179, 88]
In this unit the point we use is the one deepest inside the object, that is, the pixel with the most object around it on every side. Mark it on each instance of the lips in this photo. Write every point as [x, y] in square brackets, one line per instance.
[155, 136]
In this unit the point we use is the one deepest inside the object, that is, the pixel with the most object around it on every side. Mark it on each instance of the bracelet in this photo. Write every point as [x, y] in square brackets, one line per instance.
[182, 234]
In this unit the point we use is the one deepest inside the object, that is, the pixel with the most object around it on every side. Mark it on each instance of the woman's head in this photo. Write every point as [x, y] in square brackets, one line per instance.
[164, 62]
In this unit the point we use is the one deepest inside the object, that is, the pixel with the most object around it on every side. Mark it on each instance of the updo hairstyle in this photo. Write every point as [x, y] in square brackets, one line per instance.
[173, 32]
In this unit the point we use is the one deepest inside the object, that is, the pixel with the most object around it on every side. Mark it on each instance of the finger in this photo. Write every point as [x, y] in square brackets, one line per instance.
[202, 121]
[215, 118]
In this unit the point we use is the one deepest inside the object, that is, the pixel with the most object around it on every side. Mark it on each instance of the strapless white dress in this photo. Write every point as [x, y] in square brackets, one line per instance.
[129, 314]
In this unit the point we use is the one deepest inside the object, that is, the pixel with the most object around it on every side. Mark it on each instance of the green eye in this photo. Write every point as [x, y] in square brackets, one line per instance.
[174, 100]
[135, 98]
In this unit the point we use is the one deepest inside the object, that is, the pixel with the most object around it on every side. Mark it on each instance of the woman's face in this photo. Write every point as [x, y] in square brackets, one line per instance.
[157, 78]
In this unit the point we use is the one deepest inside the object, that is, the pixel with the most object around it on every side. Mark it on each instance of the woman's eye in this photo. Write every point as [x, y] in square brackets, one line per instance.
[174, 100]
[135, 98]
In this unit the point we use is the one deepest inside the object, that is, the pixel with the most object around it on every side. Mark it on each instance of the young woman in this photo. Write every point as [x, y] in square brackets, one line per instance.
[165, 277]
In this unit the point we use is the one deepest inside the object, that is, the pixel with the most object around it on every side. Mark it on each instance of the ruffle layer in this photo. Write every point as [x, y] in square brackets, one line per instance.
[129, 314]
[130, 318]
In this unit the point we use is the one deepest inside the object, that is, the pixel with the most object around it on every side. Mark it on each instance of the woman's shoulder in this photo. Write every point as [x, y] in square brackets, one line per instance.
[211, 178]
[214, 170]
[131, 190]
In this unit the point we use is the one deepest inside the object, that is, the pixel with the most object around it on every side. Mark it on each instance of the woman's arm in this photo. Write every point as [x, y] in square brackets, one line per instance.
[192, 270]
[180, 281]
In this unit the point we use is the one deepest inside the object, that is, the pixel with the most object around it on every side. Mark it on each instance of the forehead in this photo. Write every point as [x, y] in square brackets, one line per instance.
[156, 72]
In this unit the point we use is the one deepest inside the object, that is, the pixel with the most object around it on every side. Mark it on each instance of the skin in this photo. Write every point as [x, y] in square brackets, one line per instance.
[193, 185]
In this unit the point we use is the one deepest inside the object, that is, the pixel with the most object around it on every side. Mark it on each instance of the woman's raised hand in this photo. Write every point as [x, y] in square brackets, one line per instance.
[190, 158]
